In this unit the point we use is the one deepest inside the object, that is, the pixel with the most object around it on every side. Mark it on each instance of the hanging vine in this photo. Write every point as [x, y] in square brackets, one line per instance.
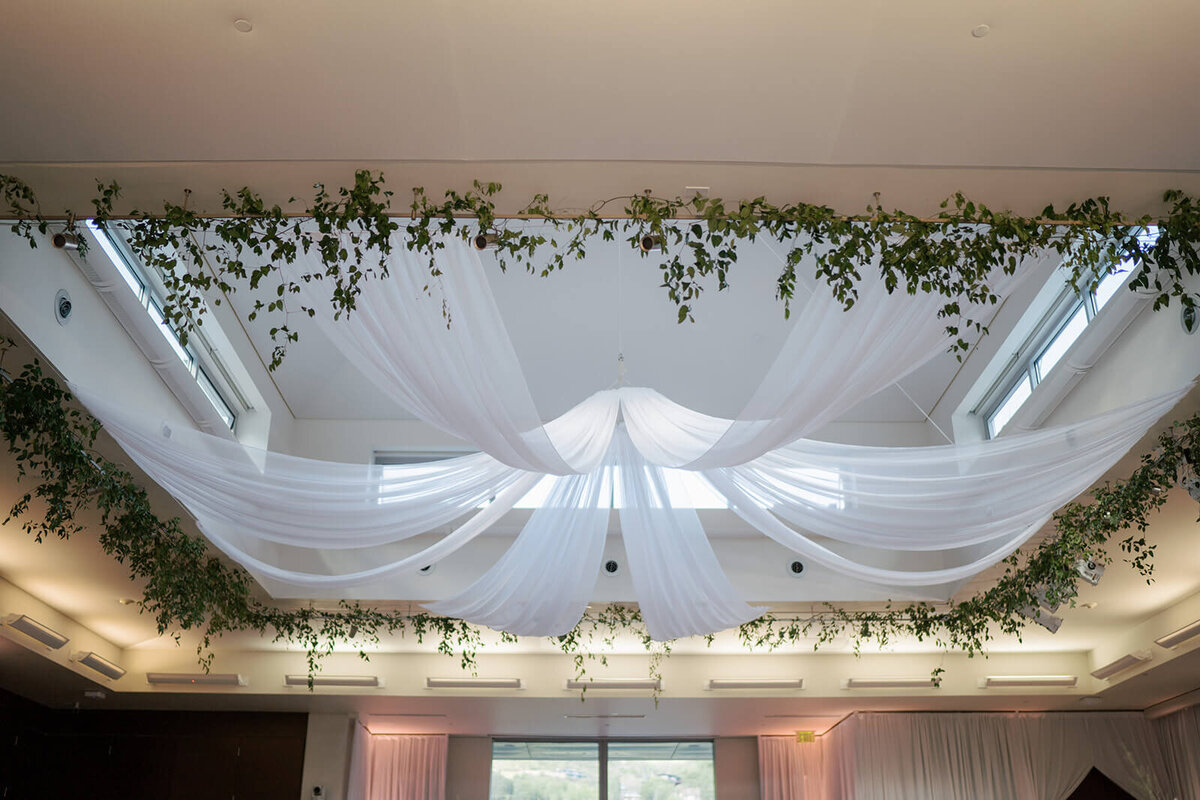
[958, 254]
[189, 589]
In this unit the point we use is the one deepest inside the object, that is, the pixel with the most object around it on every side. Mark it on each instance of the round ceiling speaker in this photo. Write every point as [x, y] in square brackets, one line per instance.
[611, 567]
[796, 569]
[62, 307]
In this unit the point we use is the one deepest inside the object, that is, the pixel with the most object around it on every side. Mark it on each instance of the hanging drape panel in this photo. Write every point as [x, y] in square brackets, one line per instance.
[974, 504]
[1180, 737]
[404, 767]
[995, 493]
[437, 345]
[791, 770]
[680, 586]
[972, 757]
[542, 584]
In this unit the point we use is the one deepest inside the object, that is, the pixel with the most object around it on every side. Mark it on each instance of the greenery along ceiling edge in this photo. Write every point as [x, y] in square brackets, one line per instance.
[189, 589]
[955, 254]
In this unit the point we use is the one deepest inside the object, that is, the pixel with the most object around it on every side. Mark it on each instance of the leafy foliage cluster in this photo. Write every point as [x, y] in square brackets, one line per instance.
[959, 254]
[188, 588]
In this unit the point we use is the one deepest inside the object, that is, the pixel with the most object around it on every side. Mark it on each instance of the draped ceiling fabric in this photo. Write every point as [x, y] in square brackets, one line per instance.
[1041, 756]
[324, 526]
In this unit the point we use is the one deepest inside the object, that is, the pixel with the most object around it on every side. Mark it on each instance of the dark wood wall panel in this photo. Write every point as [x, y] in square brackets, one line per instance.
[167, 755]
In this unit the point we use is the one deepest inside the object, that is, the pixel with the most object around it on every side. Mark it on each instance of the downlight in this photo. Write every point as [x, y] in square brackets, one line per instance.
[612, 566]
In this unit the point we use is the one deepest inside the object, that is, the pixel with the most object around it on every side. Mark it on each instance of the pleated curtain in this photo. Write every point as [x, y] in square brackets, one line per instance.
[944, 756]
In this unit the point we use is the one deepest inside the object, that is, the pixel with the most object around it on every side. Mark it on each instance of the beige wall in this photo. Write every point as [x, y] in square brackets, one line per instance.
[736, 766]
[468, 767]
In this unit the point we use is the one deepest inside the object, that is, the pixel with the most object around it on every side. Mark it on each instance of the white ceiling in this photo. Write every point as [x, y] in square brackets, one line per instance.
[1059, 85]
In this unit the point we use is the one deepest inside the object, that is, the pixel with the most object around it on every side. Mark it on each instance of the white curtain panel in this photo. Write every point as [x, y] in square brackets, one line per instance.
[791, 770]
[1180, 737]
[438, 345]
[977, 757]
[406, 767]
[680, 586]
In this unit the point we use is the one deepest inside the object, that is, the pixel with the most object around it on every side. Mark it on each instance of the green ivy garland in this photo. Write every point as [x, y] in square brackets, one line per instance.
[955, 255]
[187, 588]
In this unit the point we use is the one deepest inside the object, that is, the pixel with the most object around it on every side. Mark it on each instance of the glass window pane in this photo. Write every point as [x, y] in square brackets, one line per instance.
[1008, 408]
[537, 770]
[214, 397]
[1111, 283]
[169, 334]
[660, 770]
[1061, 342]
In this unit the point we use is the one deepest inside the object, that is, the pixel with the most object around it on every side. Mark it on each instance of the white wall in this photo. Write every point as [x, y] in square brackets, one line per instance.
[327, 755]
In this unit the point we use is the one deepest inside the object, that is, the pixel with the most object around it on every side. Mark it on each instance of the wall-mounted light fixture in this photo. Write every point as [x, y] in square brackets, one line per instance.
[777, 684]
[36, 630]
[1176, 638]
[926, 682]
[98, 663]
[1002, 681]
[1127, 661]
[360, 681]
[472, 683]
[195, 679]
[615, 683]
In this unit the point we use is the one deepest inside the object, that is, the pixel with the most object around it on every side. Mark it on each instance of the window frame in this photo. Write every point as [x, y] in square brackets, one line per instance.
[1045, 334]
[602, 744]
[202, 363]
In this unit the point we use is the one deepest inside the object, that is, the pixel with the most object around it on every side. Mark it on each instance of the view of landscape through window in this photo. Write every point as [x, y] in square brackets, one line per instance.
[573, 770]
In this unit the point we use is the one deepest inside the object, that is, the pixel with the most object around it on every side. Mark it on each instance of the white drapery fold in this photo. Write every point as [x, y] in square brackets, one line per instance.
[680, 586]
[791, 770]
[405, 767]
[1180, 737]
[438, 345]
[1042, 756]
[260, 508]
[996, 493]
[542, 584]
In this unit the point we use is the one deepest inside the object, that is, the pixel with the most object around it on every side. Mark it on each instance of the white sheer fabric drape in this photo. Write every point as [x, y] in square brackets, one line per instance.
[979, 757]
[437, 344]
[791, 770]
[1180, 737]
[403, 767]
[265, 510]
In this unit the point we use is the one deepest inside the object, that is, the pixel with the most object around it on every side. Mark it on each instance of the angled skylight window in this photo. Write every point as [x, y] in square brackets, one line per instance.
[1068, 319]
[150, 298]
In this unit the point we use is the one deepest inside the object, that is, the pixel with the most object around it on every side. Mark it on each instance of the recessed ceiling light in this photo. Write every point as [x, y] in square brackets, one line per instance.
[980, 31]
[243, 25]
[1090, 604]
[126, 601]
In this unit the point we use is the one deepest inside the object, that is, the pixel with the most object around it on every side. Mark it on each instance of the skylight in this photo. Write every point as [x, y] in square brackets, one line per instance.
[1068, 319]
[151, 302]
